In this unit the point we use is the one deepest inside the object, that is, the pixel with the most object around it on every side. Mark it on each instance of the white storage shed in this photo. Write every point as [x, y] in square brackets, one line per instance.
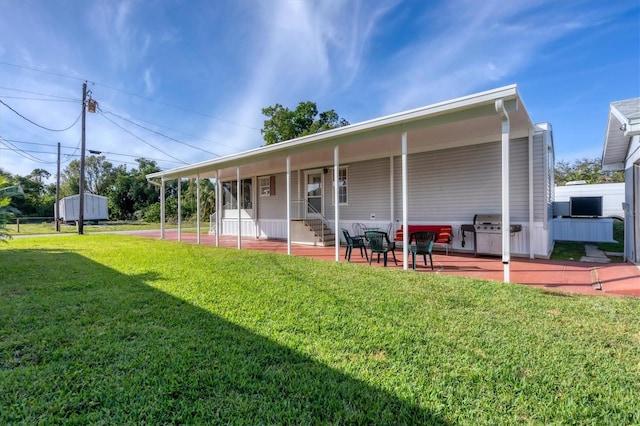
[95, 207]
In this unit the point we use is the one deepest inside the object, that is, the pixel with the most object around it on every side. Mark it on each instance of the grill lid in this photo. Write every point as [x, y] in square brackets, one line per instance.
[487, 219]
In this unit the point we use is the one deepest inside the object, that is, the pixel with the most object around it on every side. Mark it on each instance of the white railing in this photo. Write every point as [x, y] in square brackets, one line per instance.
[302, 209]
[212, 223]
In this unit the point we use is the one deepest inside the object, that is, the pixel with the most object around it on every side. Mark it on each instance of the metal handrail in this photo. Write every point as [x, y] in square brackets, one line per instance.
[304, 209]
[212, 223]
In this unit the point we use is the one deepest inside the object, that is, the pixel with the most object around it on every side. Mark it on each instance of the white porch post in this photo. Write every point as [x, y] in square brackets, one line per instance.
[162, 186]
[506, 220]
[531, 198]
[218, 207]
[336, 199]
[238, 194]
[179, 209]
[391, 193]
[289, 203]
[405, 205]
[198, 209]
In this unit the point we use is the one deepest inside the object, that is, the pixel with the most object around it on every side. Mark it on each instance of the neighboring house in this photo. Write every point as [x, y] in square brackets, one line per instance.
[622, 152]
[439, 164]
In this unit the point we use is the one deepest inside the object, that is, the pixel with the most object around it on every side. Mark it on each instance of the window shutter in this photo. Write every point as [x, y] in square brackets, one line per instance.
[272, 185]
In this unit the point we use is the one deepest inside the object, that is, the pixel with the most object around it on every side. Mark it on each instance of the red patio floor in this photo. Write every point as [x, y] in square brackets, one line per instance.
[615, 279]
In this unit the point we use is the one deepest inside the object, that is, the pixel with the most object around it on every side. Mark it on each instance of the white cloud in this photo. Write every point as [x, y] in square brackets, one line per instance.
[148, 81]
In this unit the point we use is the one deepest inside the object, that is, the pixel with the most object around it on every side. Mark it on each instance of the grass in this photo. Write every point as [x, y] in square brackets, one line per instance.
[112, 329]
[48, 227]
[571, 250]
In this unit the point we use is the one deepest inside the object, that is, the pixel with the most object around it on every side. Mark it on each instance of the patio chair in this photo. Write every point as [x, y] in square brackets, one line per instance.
[422, 243]
[379, 243]
[354, 242]
[358, 229]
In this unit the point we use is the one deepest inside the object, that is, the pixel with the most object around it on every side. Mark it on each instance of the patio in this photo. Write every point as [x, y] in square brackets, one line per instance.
[615, 279]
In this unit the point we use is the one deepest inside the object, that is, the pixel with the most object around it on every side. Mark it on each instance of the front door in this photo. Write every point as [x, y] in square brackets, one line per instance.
[314, 193]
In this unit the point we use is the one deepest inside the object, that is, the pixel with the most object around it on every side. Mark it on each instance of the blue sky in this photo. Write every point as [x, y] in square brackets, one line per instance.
[185, 81]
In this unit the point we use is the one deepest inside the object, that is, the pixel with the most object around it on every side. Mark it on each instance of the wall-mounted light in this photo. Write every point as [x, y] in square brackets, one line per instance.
[623, 127]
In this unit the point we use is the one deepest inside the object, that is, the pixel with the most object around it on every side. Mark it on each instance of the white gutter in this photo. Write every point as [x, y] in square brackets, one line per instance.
[238, 199]
[506, 220]
[531, 198]
[405, 205]
[180, 210]
[336, 199]
[289, 202]
[198, 209]
[162, 215]
[218, 210]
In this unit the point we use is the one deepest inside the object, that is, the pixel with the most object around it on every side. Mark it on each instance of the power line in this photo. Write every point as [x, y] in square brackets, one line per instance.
[41, 94]
[22, 152]
[158, 133]
[35, 99]
[54, 153]
[142, 140]
[39, 143]
[135, 95]
[36, 124]
[77, 146]
[184, 133]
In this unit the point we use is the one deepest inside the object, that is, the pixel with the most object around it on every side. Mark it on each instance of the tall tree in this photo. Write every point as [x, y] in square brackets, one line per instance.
[586, 169]
[132, 195]
[283, 124]
[99, 175]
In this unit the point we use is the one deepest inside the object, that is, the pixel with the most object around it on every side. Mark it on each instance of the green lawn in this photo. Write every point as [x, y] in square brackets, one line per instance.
[49, 227]
[571, 250]
[113, 329]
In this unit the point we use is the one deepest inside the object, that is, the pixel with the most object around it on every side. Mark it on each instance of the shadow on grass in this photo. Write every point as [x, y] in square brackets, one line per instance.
[85, 343]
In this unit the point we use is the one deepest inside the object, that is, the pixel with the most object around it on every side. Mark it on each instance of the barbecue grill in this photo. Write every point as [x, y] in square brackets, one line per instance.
[487, 237]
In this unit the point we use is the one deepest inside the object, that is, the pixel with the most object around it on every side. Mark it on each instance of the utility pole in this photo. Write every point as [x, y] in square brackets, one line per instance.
[82, 150]
[57, 209]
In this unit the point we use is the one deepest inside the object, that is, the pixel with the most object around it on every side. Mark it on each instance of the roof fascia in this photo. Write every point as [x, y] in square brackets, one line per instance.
[470, 106]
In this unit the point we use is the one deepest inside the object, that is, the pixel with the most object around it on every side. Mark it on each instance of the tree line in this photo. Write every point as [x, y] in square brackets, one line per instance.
[130, 196]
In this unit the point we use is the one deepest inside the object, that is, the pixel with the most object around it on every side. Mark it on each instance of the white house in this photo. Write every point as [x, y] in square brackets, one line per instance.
[439, 164]
[622, 152]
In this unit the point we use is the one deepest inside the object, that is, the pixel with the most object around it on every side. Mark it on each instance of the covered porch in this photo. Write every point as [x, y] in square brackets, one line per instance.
[441, 163]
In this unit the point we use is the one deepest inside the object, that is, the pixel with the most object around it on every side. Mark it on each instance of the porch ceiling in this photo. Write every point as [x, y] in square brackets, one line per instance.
[466, 121]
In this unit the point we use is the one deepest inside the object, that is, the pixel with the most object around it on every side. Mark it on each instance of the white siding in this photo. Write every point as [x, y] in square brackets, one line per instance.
[453, 185]
[368, 192]
[275, 206]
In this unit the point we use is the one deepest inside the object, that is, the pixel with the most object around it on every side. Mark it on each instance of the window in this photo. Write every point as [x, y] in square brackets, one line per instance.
[267, 186]
[342, 186]
[229, 192]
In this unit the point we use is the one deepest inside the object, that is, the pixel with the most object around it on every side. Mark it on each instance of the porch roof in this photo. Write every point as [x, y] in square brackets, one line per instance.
[623, 124]
[464, 121]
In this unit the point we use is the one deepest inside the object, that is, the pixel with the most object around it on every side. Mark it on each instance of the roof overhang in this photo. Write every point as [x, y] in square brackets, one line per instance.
[622, 126]
[468, 120]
